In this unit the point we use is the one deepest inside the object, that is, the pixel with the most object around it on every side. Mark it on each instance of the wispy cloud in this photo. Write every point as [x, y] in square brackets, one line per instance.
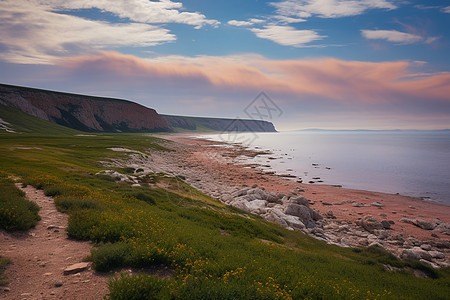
[344, 81]
[395, 36]
[287, 35]
[240, 23]
[446, 9]
[329, 8]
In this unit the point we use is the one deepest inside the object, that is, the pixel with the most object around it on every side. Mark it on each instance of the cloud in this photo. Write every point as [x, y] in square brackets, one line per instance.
[329, 8]
[256, 21]
[33, 35]
[142, 11]
[393, 36]
[288, 20]
[446, 9]
[345, 82]
[240, 23]
[287, 35]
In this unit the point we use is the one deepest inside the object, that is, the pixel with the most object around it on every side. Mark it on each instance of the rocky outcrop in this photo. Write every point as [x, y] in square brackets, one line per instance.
[84, 113]
[219, 124]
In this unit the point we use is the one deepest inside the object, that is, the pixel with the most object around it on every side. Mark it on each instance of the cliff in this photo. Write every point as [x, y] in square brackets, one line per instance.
[86, 113]
[219, 124]
[99, 114]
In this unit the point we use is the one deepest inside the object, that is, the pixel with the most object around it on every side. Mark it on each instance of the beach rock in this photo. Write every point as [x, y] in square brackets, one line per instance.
[227, 198]
[274, 218]
[330, 215]
[240, 193]
[381, 234]
[76, 268]
[443, 228]
[303, 212]
[273, 198]
[294, 222]
[242, 205]
[408, 254]
[437, 254]
[251, 197]
[58, 283]
[426, 247]
[422, 253]
[257, 191]
[370, 223]
[316, 215]
[257, 206]
[386, 224]
[424, 224]
[300, 201]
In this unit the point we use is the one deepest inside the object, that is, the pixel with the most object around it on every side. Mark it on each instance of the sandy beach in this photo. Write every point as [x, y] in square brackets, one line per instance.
[220, 170]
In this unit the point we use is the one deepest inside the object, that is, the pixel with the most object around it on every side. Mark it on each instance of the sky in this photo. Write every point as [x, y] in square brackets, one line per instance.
[335, 64]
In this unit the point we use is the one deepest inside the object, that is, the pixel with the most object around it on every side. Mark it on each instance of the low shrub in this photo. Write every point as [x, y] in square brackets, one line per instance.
[110, 256]
[138, 287]
[16, 212]
[66, 204]
[3, 263]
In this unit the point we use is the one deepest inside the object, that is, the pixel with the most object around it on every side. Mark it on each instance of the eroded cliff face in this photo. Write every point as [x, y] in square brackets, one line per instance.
[220, 124]
[84, 113]
[88, 113]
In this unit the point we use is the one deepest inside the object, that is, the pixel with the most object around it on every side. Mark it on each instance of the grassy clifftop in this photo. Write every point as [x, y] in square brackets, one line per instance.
[209, 250]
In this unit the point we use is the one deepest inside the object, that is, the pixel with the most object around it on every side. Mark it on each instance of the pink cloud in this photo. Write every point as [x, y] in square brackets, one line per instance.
[327, 78]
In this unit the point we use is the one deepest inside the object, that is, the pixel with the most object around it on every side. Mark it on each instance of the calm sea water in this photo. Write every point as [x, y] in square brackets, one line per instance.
[413, 163]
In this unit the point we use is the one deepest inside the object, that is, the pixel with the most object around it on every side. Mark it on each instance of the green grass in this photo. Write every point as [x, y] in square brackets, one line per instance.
[168, 224]
[16, 212]
[25, 123]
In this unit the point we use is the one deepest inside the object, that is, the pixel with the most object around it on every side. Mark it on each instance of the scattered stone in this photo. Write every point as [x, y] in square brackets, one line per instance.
[326, 203]
[437, 254]
[408, 254]
[419, 223]
[386, 224]
[303, 212]
[390, 268]
[76, 268]
[424, 224]
[426, 247]
[58, 283]
[377, 204]
[443, 228]
[370, 223]
[422, 253]
[420, 274]
[222, 232]
[300, 200]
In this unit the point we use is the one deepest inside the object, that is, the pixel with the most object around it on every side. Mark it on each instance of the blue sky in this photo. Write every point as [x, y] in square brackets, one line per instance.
[376, 64]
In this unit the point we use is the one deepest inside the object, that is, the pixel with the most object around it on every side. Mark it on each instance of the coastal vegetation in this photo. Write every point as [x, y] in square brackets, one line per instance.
[182, 244]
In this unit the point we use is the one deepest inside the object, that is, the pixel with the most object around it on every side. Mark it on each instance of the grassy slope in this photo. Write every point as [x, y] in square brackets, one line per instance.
[22, 122]
[180, 228]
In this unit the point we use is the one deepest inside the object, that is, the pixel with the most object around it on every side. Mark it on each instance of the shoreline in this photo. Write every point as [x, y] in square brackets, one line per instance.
[413, 228]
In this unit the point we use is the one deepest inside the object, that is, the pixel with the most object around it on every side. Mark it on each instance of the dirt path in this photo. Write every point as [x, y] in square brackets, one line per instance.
[40, 255]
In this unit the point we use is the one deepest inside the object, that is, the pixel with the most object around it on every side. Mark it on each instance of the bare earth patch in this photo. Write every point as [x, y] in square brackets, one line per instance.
[40, 256]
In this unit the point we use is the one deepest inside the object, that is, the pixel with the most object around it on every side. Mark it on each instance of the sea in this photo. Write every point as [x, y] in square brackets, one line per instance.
[407, 162]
